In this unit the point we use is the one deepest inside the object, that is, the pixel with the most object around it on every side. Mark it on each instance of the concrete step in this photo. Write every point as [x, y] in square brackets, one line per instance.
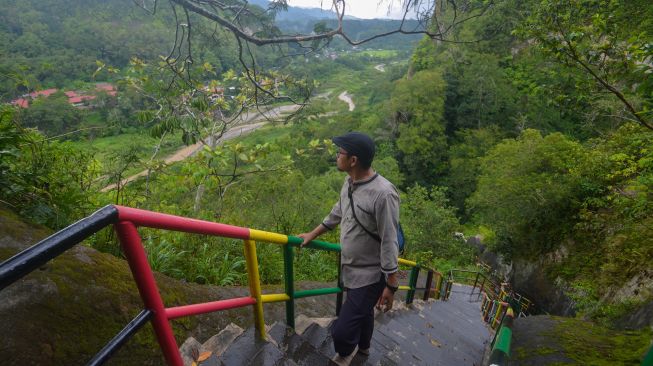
[234, 346]
[436, 332]
[296, 347]
[191, 349]
[302, 322]
[249, 349]
[384, 350]
[221, 341]
[320, 338]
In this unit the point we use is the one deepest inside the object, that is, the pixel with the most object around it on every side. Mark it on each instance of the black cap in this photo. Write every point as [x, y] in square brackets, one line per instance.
[358, 144]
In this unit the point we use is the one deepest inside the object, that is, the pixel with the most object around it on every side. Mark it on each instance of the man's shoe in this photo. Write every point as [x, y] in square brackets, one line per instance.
[364, 351]
[344, 361]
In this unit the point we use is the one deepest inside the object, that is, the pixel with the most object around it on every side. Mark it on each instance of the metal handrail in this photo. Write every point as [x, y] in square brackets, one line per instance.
[37, 255]
[125, 221]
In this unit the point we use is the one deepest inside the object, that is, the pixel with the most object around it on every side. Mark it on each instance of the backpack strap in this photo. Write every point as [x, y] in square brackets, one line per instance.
[353, 211]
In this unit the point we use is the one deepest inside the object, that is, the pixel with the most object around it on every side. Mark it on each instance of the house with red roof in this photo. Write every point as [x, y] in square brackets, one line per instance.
[109, 88]
[21, 102]
[79, 100]
[43, 93]
[76, 98]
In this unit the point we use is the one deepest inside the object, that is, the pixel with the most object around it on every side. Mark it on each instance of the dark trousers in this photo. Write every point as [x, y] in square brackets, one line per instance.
[355, 323]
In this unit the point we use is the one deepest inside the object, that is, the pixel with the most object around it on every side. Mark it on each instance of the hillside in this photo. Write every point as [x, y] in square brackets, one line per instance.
[57, 43]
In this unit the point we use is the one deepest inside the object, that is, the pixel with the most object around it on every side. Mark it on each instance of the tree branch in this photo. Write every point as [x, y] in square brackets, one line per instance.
[339, 6]
[573, 54]
[250, 38]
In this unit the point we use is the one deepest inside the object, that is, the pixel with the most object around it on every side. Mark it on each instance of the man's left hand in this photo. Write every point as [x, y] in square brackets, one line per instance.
[386, 300]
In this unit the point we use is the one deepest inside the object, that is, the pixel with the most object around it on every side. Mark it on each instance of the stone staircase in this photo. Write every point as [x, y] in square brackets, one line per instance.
[423, 333]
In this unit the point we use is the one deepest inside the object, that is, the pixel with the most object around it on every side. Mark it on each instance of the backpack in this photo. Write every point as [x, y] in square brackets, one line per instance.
[401, 239]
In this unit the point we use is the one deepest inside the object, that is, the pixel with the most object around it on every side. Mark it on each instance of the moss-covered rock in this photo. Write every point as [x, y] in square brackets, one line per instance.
[551, 340]
[65, 312]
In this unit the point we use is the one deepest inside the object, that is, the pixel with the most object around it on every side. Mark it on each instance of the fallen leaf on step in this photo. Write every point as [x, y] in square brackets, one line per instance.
[204, 356]
[435, 343]
[429, 325]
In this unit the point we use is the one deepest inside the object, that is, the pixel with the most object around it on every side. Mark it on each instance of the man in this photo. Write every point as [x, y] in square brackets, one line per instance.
[368, 213]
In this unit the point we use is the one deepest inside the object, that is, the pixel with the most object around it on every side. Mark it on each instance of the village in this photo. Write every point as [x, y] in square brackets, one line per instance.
[78, 99]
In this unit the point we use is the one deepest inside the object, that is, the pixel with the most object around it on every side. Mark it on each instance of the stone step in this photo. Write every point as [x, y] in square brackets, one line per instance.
[249, 349]
[320, 338]
[317, 332]
[191, 349]
[188, 348]
[221, 341]
[296, 347]
[302, 322]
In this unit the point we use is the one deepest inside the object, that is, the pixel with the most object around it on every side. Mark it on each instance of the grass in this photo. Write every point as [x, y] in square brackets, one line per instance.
[93, 119]
[267, 133]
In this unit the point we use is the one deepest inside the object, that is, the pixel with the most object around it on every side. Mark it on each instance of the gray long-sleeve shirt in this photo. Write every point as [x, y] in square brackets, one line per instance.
[363, 258]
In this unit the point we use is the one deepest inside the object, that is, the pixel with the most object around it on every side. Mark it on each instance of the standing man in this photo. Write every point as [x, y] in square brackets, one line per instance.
[368, 215]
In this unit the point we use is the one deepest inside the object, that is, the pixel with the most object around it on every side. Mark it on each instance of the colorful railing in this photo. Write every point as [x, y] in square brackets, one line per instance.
[126, 220]
[495, 298]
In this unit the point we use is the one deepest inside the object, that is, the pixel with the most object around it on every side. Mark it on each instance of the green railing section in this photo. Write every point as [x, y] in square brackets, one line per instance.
[500, 346]
[648, 359]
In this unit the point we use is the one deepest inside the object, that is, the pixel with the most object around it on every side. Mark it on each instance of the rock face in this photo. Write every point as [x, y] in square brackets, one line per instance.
[640, 318]
[530, 279]
[65, 312]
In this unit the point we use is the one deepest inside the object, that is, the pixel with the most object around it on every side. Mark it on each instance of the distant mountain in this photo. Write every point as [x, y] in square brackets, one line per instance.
[302, 20]
[359, 29]
[297, 13]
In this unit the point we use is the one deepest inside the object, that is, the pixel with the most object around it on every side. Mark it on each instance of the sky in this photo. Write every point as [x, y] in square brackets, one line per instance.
[365, 9]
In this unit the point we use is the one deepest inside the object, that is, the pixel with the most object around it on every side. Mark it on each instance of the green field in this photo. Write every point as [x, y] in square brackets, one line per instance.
[267, 133]
[107, 148]
[380, 54]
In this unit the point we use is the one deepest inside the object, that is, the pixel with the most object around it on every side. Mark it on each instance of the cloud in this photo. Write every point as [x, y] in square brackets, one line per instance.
[365, 9]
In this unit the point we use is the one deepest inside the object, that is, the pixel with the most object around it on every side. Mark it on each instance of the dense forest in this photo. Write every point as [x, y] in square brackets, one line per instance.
[531, 127]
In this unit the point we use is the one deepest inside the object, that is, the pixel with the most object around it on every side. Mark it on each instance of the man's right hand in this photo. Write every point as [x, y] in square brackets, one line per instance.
[308, 237]
[319, 230]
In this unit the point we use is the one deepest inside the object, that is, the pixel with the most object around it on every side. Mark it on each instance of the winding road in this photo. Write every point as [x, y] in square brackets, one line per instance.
[248, 122]
[347, 99]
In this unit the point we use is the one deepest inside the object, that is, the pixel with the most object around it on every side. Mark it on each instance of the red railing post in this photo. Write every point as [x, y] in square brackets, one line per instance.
[137, 259]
